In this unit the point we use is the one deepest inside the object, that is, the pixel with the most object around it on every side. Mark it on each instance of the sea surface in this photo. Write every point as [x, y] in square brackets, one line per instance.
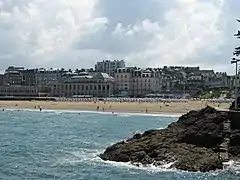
[65, 145]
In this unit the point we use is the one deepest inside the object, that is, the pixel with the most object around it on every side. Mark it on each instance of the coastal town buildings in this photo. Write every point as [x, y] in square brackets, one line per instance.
[113, 78]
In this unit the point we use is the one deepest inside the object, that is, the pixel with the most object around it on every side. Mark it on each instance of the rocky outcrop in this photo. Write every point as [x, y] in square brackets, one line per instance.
[192, 143]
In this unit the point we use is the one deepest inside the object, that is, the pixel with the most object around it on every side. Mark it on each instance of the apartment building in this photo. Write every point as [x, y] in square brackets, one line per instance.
[109, 66]
[47, 77]
[13, 76]
[146, 81]
[124, 81]
[137, 82]
[28, 77]
[94, 84]
[19, 76]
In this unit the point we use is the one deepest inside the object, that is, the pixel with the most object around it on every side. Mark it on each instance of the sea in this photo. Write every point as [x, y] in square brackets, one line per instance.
[66, 145]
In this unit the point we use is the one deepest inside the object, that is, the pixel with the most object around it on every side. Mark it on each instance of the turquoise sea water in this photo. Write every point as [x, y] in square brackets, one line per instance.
[66, 145]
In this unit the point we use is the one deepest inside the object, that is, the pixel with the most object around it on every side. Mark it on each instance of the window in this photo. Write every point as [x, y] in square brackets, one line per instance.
[126, 76]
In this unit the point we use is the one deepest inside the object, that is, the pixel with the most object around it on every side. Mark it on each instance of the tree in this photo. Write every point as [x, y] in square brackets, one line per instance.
[237, 49]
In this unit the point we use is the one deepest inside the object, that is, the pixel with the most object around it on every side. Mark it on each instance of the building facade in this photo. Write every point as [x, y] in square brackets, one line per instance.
[109, 66]
[13, 78]
[28, 77]
[20, 91]
[123, 82]
[48, 77]
[145, 82]
[90, 84]
[1, 79]
[137, 82]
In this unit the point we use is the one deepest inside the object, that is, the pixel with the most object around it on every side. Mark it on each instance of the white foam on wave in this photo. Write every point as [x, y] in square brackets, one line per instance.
[122, 114]
[91, 157]
[233, 166]
[80, 156]
[149, 168]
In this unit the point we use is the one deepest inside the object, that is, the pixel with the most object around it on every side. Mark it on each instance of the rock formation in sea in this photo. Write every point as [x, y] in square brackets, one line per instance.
[198, 141]
[232, 107]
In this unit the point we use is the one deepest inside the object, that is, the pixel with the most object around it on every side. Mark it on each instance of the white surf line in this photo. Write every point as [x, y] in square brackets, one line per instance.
[96, 112]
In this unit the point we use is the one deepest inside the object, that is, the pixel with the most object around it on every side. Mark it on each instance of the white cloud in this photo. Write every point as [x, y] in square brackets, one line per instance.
[190, 26]
[42, 31]
[76, 33]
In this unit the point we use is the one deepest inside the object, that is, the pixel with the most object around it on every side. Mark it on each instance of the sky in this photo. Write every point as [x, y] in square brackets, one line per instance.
[144, 33]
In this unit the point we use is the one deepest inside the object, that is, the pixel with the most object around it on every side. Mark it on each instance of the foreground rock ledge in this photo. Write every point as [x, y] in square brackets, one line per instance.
[192, 143]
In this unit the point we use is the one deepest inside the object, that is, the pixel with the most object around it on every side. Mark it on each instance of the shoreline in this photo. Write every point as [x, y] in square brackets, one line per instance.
[97, 112]
[173, 108]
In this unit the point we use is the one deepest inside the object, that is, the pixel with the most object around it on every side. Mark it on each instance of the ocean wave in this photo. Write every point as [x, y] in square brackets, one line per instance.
[232, 166]
[80, 156]
[121, 114]
[91, 157]
[149, 168]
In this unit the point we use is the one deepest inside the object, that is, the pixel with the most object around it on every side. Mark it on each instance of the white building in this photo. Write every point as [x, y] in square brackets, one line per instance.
[109, 66]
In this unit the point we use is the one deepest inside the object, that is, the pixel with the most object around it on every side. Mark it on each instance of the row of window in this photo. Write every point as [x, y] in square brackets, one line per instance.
[17, 91]
[156, 85]
[80, 92]
[82, 87]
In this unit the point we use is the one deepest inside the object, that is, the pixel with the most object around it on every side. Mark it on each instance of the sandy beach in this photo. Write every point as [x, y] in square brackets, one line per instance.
[177, 108]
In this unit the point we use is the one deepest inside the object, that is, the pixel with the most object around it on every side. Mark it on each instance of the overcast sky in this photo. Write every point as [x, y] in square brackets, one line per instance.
[77, 33]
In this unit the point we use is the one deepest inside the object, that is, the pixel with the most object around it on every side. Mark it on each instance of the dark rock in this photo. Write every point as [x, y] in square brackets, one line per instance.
[232, 107]
[137, 136]
[192, 143]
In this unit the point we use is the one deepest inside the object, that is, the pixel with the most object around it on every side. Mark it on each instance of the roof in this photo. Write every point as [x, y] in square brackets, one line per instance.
[82, 77]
